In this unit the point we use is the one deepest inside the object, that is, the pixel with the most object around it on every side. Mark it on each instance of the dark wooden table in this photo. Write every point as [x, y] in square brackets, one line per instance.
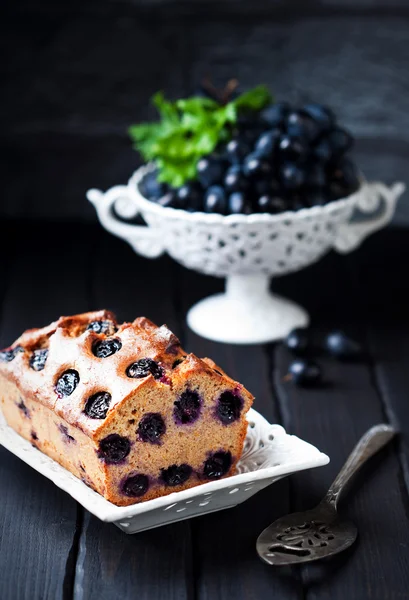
[50, 548]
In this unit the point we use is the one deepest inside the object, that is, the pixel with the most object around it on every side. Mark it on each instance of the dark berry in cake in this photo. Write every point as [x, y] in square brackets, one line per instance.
[210, 171]
[135, 486]
[9, 355]
[271, 204]
[217, 465]
[177, 362]
[341, 346]
[114, 449]
[106, 327]
[38, 359]
[21, 406]
[238, 203]
[105, 348]
[297, 341]
[67, 383]
[151, 428]
[34, 436]
[97, 405]
[228, 408]
[187, 408]
[304, 373]
[144, 367]
[215, 200]
[67, 437]
[176, 474]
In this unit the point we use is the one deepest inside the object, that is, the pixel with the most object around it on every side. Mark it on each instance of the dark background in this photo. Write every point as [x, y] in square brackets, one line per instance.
[76, 73]
[74, 76]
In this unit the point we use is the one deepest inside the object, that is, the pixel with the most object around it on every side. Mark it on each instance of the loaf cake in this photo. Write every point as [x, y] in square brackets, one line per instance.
[123, 407]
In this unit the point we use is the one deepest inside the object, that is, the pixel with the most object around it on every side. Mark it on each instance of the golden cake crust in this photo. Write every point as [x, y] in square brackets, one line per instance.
[102, 355]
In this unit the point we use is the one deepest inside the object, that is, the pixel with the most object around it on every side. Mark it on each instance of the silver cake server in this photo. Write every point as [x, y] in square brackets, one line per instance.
[306, 536]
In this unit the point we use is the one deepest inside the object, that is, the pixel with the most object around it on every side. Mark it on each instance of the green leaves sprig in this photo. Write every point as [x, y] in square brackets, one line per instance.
[190, 129]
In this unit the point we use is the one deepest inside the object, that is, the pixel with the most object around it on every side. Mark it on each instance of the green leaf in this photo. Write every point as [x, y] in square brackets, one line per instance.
[167, 110]
[255, 99]
[188, 129]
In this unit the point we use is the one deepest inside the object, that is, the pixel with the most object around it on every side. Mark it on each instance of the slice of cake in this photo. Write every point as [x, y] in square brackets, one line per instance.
[123, 407]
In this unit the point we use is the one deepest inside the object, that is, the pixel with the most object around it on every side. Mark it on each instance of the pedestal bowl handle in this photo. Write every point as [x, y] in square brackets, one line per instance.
[373, 197]
[144, 240]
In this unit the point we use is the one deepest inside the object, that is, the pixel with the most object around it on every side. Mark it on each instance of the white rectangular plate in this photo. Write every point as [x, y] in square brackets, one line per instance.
[269, 454]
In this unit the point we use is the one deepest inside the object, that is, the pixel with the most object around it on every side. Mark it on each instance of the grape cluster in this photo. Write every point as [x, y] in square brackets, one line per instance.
[281, 158]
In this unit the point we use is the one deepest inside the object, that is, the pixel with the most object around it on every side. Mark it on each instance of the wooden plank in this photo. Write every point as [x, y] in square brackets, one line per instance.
[333, 418]
[154, 564]
[225, 561]
[384, 292]
[37, 520]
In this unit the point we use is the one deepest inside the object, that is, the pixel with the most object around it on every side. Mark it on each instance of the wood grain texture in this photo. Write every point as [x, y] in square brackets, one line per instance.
[154, 564]
[333, 418]
[63, 269]
[37, 520]
[226, 563]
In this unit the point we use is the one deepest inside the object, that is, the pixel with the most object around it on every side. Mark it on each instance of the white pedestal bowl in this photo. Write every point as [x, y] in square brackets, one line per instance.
[245, 249]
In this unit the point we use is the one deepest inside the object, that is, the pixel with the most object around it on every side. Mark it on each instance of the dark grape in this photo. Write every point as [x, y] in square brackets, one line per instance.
[297, 341]
[265, 186]
[215, 200]
[255, 165]
[292, 148]
[316, 197]
[304, 373]
[237, 149]
[298, 201]
[267, 142]
[235, 180]
[301, 125]
[321, 115]
[271, 204]
[316, 176]
[238, 203]
[292, 176]
[210, 170]
[340, 141]
[275, 114]
[190, 197]
[344, 179]
[338, 344]
[152, 188]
